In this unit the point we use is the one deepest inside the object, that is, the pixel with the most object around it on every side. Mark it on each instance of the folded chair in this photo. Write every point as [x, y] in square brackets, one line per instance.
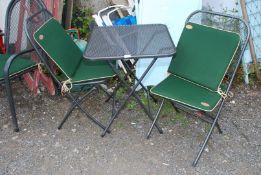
[52, 42]
[108, 17]
[17, 59]
[201, 73]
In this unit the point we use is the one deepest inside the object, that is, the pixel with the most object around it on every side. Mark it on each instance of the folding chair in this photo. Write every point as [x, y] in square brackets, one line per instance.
[17, 59]
[201, 73]
[52, 42]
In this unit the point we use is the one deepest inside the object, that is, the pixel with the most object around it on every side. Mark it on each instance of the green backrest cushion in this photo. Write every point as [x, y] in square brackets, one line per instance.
[203, 54]
[59, 46]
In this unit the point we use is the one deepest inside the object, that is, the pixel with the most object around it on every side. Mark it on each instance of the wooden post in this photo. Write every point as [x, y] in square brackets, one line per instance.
[61, 9]
[251, 43]
[69, 11]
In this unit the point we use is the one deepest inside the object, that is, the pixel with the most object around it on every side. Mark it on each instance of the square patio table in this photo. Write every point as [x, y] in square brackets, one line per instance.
[130, 42]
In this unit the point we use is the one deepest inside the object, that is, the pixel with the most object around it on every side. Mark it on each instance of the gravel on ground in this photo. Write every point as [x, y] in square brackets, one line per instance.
[39, 148]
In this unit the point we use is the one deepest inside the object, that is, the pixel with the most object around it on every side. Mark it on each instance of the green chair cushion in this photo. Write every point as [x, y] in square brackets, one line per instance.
[20, 64]
[59, 46]
[203, 54]
[185, 92]
[92, 70]
[53, 39]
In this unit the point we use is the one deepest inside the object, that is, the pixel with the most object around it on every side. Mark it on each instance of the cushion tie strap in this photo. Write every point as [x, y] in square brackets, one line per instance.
[230, 94]
[65, 88]
[39, 65]
[221, 93]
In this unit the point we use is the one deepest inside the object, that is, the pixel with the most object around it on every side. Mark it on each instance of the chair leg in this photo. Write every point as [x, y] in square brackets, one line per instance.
[201, 115]
[66, 116]
[148, 99]
[175, 107]
[78, 104]
[214, 124]
[217, 124]
[113, 103]
[155, 119]
[115, 89]
[10, 98]
[219, 128]
[104, 90]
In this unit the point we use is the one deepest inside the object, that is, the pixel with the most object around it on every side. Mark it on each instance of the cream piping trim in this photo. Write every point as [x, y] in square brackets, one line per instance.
[93, 79]
[71, 82]
[21, 71]
[183, 102]
[224, 95]
[45, 50]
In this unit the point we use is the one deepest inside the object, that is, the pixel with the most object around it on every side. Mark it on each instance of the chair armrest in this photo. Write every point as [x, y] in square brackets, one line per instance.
[11, 59]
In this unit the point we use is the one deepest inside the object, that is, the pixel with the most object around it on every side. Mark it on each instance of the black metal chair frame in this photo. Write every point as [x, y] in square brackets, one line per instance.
[207, 117]
[7, 77]
[75, 100]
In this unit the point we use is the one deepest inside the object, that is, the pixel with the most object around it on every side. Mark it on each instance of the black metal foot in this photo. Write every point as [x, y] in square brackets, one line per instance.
[155, 120]
[219, 128]
[194, 164]
[16, 130]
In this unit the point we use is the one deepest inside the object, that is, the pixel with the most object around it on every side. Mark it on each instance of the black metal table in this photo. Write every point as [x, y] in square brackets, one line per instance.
[130, 42]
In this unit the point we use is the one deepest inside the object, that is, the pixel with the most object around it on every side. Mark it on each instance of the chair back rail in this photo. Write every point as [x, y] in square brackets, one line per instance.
[60, 47]
[203, 54]
[17, 12]
[228, 23]
[31, 25]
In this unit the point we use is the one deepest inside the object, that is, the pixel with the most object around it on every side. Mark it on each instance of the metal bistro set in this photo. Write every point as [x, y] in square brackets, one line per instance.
[199, 77]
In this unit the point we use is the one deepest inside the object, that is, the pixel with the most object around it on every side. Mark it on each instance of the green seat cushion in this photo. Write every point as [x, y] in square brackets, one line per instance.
[185, 92]
[92, 70]
[203, 54]
[59, 46]
[20, 64]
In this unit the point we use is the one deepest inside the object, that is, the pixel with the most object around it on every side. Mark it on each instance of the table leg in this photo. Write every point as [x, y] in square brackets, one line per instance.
[155, 119]
[136, 78]
[130, 72]
[132, 93]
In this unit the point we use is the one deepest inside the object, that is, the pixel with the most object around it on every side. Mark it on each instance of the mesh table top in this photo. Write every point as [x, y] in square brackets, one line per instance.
[133, 41]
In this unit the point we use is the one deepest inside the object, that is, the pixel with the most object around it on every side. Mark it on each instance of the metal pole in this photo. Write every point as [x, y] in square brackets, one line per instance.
[251, 44]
